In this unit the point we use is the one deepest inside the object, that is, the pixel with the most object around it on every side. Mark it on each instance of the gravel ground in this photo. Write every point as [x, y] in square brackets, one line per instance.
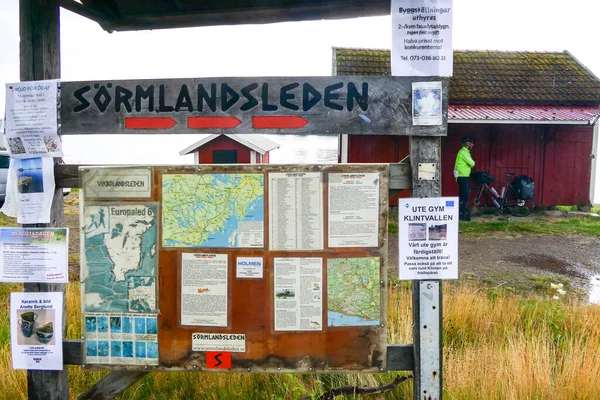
[516, 261]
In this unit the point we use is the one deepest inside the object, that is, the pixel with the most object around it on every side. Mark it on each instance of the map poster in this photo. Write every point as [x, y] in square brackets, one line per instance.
[295, 211]
[353, 209]
[353, 291]
[298, 294]
[119, 258]
[36, 330]
[204, 289]
[428, 238]
[31, 125]
[34, 255]
[213, 210]
[121, 339]
[35, 189]
[421, 38]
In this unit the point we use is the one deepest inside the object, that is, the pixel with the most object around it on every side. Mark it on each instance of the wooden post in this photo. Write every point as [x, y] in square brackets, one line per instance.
[427, 295]
[40, 59]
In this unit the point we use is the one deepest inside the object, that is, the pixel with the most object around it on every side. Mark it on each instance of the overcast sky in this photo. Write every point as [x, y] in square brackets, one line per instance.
[296, 49]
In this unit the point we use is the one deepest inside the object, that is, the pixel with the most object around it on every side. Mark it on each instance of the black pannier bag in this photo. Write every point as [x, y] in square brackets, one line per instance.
[482, 177]
[524, 187]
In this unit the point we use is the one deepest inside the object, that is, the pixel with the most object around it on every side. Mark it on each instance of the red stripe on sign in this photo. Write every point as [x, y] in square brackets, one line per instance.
[149, 123]
[278, 122]
[213, 122]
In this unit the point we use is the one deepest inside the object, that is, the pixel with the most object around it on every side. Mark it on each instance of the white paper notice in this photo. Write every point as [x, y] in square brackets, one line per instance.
[249, 267]
[34, 255]
[422, 38]
[204, 289]
[35, 189]
[427, 103]
[298, 294]
[32, 119]
[296, 211]
[36, 330]
[353, 209]
[428, 238]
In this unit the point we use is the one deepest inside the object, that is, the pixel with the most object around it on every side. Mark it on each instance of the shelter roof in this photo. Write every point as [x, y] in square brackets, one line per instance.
[255, 142]
[495, 77]
[127, 15]
[524, 114]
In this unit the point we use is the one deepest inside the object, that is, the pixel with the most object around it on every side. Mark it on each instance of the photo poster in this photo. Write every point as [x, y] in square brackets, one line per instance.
[36, 330]
[427, 103]
[421, 38]
[34, 255]
[31, 126]
[428, 238]
[35, 189]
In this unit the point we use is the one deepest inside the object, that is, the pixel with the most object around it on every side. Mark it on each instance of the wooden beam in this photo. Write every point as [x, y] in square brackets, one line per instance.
[88, 13]
[73, 352]
[112, 385]
[40, 59]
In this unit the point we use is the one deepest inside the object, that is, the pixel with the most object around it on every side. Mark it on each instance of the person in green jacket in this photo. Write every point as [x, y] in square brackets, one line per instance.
[462, 173]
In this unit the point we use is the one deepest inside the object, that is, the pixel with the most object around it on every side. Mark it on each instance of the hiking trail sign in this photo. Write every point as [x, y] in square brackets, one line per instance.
[298, 105]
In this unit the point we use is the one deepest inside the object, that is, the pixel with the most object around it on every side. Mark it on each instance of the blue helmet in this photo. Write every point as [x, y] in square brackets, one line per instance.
[466, 139]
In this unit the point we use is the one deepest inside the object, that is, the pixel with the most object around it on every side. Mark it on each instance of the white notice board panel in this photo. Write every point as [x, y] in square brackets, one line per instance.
[421, 37]
[428, 235]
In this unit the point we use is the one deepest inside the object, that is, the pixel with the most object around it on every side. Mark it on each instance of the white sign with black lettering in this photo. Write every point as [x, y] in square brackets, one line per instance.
[233, 342]
[428, 238]
[249, 267]
[422, 38]
[118, 183]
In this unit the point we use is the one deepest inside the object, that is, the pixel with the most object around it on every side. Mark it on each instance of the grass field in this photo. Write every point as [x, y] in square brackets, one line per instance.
[497, 346]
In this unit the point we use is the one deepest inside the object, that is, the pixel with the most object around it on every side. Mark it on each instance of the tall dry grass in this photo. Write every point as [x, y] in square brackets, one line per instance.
[496, 347]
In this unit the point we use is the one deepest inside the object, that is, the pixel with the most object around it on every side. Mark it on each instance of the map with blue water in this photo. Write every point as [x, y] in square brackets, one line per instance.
[213, 210]
[120, 258]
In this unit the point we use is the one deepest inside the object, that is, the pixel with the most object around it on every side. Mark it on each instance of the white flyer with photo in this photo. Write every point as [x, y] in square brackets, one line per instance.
[31, 128]
[428, 238]
[298, 292]
[427, 103]
[204, 289]
[35, 189]
[354, 209]
[36, 334]
[422, 38]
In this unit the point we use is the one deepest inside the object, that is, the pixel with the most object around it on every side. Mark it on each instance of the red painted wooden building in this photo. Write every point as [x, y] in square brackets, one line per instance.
[231, 149]
[530, 113]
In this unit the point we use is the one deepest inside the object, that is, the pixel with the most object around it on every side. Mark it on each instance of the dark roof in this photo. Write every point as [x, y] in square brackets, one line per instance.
[495, 77]
[126, 15]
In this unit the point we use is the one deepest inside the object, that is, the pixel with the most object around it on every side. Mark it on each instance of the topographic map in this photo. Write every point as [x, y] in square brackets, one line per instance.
[353, 291]
[119, 268]
[213, 210]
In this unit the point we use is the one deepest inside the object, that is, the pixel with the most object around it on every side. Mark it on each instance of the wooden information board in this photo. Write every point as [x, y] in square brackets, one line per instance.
[235, 267]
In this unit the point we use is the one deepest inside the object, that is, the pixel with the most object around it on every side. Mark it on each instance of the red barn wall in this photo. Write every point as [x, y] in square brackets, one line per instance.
[265, 158]
[205, 152]
[557, 157]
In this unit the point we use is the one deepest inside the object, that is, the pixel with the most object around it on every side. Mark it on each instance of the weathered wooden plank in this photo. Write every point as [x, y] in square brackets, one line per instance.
[66, 176]
[112, 385]
[400, 176]
[400, 357]
[73, 352]
[290, 105]
[40, 59]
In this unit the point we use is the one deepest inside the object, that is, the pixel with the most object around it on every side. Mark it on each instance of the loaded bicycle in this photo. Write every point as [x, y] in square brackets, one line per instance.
[516, 195]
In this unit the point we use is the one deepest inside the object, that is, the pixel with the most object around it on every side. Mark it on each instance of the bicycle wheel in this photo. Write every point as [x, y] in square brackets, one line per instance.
[517, 206]
[478, 201]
